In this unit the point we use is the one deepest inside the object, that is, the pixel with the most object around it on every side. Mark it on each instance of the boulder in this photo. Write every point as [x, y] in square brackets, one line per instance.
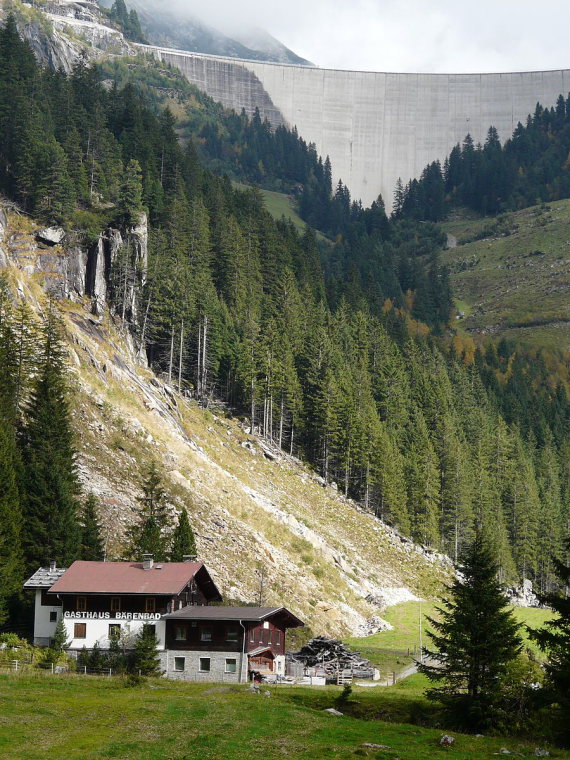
[51, 235]
[445, 740]
[332, 711]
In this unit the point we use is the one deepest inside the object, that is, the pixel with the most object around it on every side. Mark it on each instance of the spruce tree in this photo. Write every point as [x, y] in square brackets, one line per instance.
[145, 659]
[183, 541]
[554, 639]
[91, 540]
[475, 639]
[51, 530]
[59, 642]
[147, 535]
[11, 564]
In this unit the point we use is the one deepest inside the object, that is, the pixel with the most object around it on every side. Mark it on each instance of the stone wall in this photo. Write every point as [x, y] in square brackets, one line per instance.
[192, 672]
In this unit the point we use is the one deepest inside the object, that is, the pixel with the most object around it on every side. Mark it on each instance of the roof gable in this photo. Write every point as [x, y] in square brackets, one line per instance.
[168, 578]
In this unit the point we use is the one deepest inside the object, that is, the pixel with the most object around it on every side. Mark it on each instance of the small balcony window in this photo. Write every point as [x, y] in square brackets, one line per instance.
[81, 603]
[115, 604]
[232, 634]
[180, 633]
[205, 634]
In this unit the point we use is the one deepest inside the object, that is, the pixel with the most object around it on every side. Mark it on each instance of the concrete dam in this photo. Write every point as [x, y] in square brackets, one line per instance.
[375, 127]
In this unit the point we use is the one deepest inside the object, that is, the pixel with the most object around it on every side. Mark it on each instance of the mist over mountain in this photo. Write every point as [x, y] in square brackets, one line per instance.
[180, 27]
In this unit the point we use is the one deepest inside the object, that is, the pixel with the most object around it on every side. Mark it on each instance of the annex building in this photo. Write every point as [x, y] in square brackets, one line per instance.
[197, 638]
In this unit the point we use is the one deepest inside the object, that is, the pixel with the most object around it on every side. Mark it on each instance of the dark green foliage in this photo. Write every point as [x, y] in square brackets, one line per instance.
[145, 660]
[529, 168]
[11, 564]
[91, 538]
[554, 639]
[127, 21]
[50, 485]
[59, 641]
[148, 534]
[474, 640]
[183, 540]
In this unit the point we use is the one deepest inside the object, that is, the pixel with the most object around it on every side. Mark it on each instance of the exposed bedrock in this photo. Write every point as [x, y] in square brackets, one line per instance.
[375, 127]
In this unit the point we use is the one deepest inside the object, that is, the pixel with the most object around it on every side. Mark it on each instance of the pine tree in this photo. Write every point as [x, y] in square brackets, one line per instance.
[51, 529]
[145, 659]
[147, 535]
[554, 639]
[91, 540]
[11, 564]
[475, 639]
[183, 540]
[59, 641]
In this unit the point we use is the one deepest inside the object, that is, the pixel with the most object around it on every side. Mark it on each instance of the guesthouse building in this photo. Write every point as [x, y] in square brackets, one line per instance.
[197, 639]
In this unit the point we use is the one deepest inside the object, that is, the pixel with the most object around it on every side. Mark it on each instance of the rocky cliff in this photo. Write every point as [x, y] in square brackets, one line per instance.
[255, 510]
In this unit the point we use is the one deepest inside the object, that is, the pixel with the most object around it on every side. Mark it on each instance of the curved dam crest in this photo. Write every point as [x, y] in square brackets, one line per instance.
[375, 126]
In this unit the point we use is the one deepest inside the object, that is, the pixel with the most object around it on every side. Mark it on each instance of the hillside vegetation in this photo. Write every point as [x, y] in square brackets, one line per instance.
[512, 274]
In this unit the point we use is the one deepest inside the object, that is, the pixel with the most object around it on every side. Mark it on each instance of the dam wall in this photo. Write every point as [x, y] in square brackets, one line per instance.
[375, 126]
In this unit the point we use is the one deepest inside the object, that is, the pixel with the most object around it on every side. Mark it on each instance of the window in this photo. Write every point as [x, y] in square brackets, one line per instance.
[232, 633]
[114, 630]
[204, 664]
[149, 604]
[278, 637]
[205, 634]
[266, 625]
[53, 617]
[179, 663]
[261, 635]
[231, 666]
[252, 635]
[115, 604]
[180, 632]
[80, 631]
[81, 603]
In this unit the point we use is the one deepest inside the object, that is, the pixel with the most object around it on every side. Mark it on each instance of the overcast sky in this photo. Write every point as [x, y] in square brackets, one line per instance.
[409, 35]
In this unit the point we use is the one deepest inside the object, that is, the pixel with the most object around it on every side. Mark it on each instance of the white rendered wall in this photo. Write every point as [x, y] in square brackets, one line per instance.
[43, 628]
[98, 631]
[375, 127]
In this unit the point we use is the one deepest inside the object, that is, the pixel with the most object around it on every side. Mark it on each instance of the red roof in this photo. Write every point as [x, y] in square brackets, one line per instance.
[130, 578]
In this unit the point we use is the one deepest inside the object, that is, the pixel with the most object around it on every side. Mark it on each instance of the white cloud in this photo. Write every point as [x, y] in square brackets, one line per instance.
[405, 35]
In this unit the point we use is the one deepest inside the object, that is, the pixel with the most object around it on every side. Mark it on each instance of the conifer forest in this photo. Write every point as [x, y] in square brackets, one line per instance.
[336, 343]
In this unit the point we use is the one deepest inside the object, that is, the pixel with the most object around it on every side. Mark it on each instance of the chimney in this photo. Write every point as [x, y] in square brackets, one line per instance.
[52, 565]
[148, 561]
[188, 558]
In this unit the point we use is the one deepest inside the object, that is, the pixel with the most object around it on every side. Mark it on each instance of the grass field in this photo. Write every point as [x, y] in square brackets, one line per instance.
[513, 278]
[392, 650]
[48, 717]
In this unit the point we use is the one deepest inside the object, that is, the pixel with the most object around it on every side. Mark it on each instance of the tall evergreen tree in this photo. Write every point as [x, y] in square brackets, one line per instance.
[148, 534]
[554, 639]
[51, 530]
[91, 540]
[475, 638]
[145, 659]
[183, 540]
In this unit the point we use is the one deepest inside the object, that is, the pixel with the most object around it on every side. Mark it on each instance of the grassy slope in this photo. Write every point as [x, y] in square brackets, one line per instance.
[392, 650]
[504, 288]
[83, 718]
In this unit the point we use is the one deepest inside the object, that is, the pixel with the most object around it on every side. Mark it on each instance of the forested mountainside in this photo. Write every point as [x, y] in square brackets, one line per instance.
[335, 360]
[530, 168]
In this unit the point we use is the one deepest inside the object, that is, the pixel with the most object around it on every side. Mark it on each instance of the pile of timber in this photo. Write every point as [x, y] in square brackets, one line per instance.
[331, 657]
